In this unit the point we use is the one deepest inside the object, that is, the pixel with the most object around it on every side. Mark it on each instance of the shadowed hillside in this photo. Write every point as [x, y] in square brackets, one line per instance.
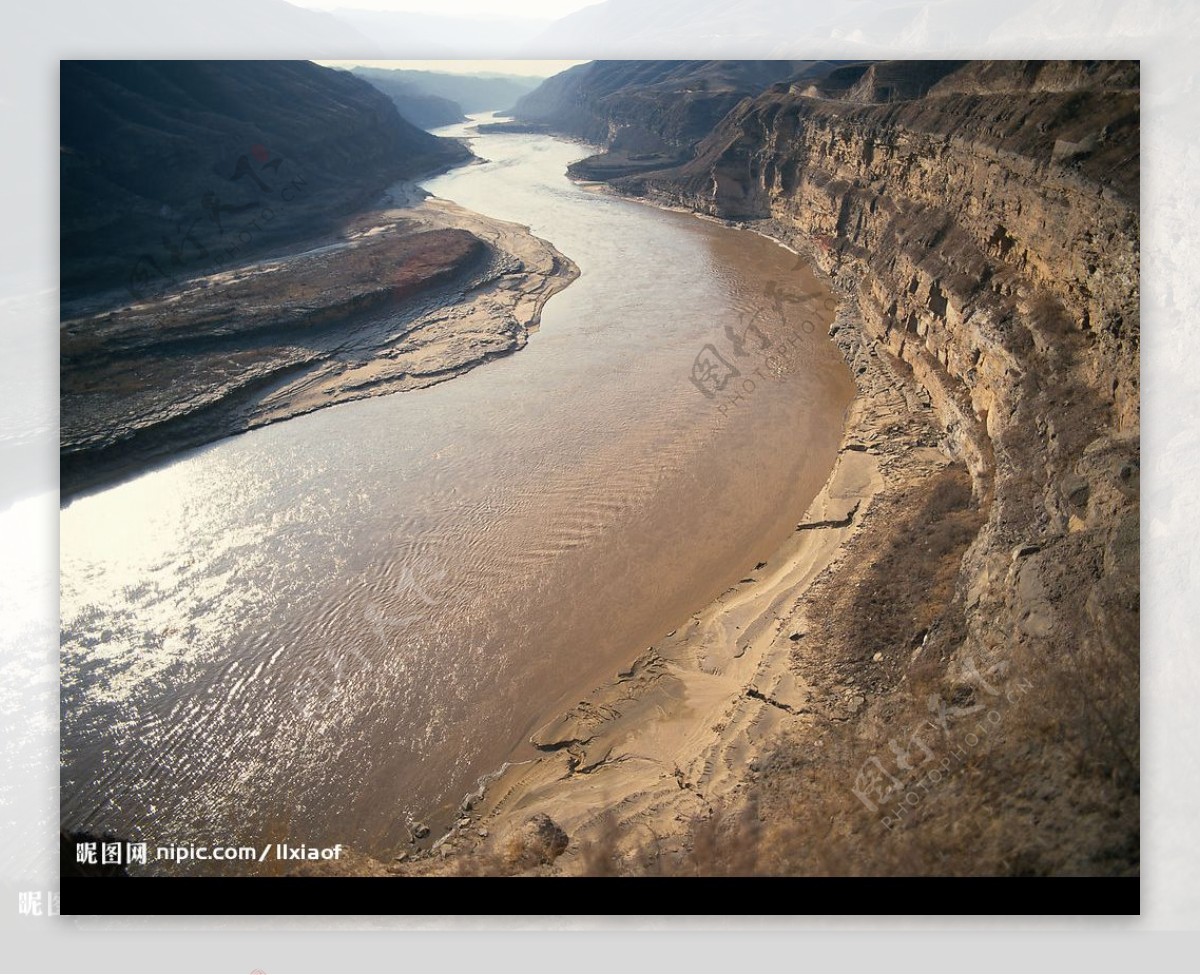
[172, 168]
[473, 93]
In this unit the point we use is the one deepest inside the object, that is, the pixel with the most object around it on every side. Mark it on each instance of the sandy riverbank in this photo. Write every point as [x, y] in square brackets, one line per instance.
[676, 736]
[411, 294]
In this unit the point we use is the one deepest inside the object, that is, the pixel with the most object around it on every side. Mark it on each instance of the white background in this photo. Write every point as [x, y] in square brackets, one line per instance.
[1162, 34]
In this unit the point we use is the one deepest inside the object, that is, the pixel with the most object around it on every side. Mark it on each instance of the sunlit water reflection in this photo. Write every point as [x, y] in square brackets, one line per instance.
[314, 630]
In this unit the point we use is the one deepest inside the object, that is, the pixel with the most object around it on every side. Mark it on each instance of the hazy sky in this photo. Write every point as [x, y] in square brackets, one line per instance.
[484, 9]
[538, 69]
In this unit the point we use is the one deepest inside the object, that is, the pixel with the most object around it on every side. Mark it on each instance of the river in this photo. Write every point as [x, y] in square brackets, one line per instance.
[314, 631]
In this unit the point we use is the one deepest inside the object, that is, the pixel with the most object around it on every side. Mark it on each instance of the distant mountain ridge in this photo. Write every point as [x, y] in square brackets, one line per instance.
[424, 110]
[650, 114]
[412, 34]
[863, 28]
[471, 92]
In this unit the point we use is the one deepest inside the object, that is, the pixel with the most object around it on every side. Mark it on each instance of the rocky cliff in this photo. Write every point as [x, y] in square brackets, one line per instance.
[967, 667]
[172, 168]
[994, 218]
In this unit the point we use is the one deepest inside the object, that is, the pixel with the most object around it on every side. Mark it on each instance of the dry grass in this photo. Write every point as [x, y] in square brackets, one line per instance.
[911, 584]
[1037, 778]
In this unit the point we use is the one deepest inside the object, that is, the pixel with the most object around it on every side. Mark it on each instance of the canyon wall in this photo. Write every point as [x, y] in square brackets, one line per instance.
[986, 237]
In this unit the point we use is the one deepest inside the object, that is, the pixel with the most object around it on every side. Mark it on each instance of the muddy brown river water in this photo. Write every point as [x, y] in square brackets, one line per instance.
[313, 631]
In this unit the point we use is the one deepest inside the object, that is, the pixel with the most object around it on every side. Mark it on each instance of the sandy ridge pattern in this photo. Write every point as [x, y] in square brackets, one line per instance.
[674, 737]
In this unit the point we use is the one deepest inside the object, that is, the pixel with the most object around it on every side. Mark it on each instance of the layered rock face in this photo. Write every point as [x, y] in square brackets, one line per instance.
[987, 235]
[1010, 190]
[872, 82]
